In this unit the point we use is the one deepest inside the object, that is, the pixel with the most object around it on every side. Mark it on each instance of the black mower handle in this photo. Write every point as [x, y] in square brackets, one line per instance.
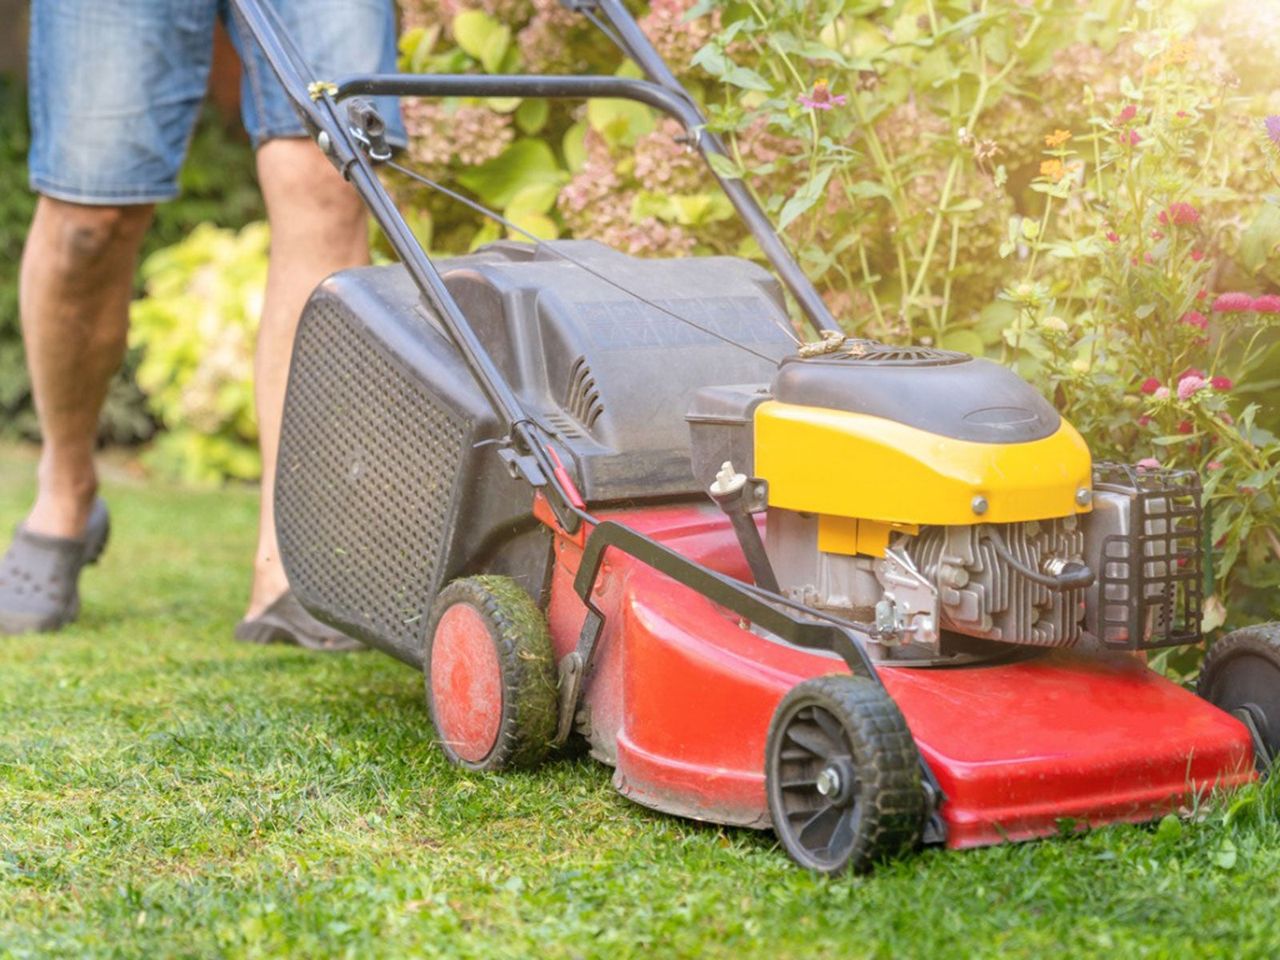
[674, 103]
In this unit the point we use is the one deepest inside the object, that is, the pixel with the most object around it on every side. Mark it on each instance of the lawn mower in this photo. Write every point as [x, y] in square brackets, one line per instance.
[869, 596]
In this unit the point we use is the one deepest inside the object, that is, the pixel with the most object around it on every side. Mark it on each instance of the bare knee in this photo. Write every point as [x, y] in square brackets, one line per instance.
[305, 193]
[84, 241]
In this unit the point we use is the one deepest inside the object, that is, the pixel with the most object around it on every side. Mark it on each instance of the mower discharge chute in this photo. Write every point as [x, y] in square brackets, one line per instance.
[865, 595]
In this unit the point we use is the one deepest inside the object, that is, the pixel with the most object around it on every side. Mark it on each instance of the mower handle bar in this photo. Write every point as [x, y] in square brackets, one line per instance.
[675, 104]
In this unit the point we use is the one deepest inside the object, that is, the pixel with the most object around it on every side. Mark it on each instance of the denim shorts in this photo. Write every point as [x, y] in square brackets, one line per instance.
[116, 85]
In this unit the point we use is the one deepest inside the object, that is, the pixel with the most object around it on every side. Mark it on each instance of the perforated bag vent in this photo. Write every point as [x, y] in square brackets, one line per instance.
[367, 482]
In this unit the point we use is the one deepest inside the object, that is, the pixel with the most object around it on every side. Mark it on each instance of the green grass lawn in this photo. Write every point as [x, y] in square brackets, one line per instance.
[166, 792]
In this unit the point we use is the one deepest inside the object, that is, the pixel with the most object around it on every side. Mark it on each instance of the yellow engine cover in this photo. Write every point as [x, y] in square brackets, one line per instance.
[836, 463]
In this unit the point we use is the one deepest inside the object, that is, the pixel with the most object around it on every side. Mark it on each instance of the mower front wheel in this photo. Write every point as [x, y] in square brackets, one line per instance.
[842, 775]
[490, 675]
[1241, 675]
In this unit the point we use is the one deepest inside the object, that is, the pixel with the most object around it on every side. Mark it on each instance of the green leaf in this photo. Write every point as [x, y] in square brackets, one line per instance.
[620, 122]
[965, 341]
[574, 146]
[1259, 250]
[534, 198]
[714, 60]
[502, 104]
[725, 166]
[539, 224]
[1226, 856]
[481, 36]
[804, 198]
[531, 116]
[495, 50]
[523, 163]
[1170, 829]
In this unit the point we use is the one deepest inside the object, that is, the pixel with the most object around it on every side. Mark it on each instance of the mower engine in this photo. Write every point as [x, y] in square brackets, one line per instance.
[929, 495]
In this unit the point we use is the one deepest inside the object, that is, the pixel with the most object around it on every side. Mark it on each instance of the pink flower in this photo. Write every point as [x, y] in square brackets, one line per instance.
[1157, 235]
[1191, 372]
[1162, 393]
[1202, 293]
[1214, 465]
[1194, 318]
[1227, 418]
[1270, 303]
[1144, 421]
[1272, 126]
[1197, 255]
[1148, 463]
[1113, 236]
[1131, 111]
[1222, 383]
[1185, 427]
[1189, 386]
[1150, 386]
[1233, 303]
[1130, 138]
[822, 98]
[1180, 214]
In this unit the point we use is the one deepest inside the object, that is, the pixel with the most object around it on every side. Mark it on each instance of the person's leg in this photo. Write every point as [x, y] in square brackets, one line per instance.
[113, 95]
[318, 226]
[75, 286]
[318, 223]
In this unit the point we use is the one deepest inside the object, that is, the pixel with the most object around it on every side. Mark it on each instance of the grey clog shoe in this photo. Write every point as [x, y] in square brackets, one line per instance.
[40, 575]
[285, 621]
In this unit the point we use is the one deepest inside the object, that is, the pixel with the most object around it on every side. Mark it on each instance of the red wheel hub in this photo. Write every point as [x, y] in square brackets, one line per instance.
[466, 683]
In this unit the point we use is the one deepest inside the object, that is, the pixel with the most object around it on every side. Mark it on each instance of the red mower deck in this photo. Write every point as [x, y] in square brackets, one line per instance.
[683, 694]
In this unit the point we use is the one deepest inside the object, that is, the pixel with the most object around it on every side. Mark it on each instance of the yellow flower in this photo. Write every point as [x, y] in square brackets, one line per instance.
[1180, 51]
[1053, 169]
[1057, 138]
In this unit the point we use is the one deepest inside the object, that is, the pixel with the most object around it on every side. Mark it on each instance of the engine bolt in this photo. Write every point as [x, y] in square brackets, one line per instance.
[979, 505]
[1084, 496]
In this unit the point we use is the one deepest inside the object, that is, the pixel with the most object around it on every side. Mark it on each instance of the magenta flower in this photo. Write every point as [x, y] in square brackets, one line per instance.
[1150, 386]
[1113, 236]
[1194, 318]
[822, 98]
[1128, 113]
[1222, 383]
[1272, 126]
[1197, 255]
[1180, 214]
[1233, 303]
[1189, 386]
[1130, 138]
[1270, 303]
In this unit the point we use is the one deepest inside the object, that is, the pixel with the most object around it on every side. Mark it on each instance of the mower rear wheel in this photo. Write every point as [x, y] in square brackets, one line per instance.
[490, 675]
[1241, 675]
[842, 775]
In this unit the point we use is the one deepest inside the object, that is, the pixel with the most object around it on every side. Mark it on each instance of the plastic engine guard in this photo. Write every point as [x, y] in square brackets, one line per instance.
[681, 695]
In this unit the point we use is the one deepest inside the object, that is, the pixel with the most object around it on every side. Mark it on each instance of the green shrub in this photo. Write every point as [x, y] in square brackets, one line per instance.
[195, 329]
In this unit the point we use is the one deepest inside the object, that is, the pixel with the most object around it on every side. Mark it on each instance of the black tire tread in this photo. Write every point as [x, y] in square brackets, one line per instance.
[888, 765]
[1261, 638]
[527, 660]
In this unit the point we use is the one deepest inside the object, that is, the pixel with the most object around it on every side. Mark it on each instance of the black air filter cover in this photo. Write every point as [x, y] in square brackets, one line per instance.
[597, 346]
[946, 393]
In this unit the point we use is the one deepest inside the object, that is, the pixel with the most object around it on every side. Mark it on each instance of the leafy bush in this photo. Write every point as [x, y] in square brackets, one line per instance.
[195, 329]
